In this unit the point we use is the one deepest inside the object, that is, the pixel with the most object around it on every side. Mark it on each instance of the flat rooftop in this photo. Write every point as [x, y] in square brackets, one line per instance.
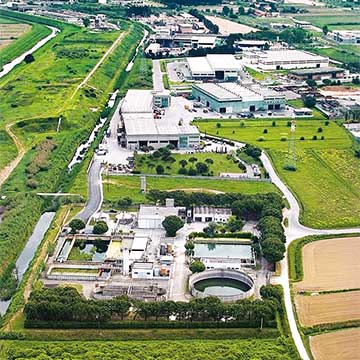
[137, 101]
[157, 211]
[229, 91]
[145, 124]
[287, 55]
[211, 210]
[225, 251]
[213, 62]
[320, 70]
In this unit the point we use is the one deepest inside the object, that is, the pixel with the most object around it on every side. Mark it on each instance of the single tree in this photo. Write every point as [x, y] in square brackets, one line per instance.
[159, 169]
[193, 159]
[310, 101]
[100, 227]
[29, 58]
[172, 224]
[183, 163]
[76, 225]
[197, 266]
[201, 168]
[325, 30]
[86, 22]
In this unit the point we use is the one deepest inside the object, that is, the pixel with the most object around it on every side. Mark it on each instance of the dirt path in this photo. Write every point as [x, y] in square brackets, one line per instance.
[7, 170]
[91, 73]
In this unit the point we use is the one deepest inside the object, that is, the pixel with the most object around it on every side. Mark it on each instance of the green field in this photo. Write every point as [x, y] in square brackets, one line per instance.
[345, 54]
[346, 18]
[259, 349]
[25, 42]
[221, 163]
[33, 97]
[327, 180]
[116, 187]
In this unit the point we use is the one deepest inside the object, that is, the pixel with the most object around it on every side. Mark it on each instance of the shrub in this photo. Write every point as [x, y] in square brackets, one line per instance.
[290, 167]
[265, 131]
[314, 137]
[273, 124]
[242, 124]
[283, 138]
[182, 171]
[302, 138]
[201, 168]
[100, 228]
[261, 138]
[319, 130]
[327, 123]
[192, 172]
[160, 169]
[218, 125]
[29, 58]
[32, 183]
[197, 266]
[76, 225]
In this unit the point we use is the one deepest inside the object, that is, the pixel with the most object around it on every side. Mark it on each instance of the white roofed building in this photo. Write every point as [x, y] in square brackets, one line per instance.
[214, 66]
[284, 59]
[141, 127]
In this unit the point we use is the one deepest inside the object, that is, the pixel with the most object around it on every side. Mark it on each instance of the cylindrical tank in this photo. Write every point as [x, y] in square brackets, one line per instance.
[156, 271]
[163, 271]
[162, 249]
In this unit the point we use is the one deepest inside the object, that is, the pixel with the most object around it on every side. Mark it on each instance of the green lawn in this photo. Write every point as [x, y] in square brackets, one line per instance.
[221, 163]
[327, 180]
[340, 53]
[116, 187]
[25, 42]
[260, 349]
[346, 18]
[260, 76]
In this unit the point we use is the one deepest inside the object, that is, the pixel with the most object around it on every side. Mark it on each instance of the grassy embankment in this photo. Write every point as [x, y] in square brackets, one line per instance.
[34, 96]
[327, 180]
[24, 42]
[116, 187]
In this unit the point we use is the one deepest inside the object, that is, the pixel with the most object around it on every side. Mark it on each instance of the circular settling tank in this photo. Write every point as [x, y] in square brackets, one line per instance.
[228, 285]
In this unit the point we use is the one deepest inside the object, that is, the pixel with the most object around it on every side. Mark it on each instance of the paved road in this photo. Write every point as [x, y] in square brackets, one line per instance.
[157, 76]
[294, 231]
[95, 191]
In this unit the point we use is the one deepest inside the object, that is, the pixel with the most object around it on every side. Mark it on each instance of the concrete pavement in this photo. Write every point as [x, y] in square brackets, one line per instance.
[95, 191]
[157, 76]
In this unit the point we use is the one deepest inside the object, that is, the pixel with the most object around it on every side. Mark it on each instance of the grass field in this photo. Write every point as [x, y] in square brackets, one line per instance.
[339, 53]
[328, 308]
[260, 349]
[327, 180]
[116, 187]
[336, 345]
[15, 43]
[221, 163]
[34, 96]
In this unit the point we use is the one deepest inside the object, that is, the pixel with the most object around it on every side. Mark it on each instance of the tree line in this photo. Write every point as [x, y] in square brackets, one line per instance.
[265, 208]
[66, 304]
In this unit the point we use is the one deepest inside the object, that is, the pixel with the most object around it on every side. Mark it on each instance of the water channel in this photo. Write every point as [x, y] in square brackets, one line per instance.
[29, 251]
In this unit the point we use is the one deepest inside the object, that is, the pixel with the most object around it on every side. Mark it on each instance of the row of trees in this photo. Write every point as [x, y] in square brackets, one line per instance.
[266, 208]
[66, 304]
[210, 25]
[244, 206]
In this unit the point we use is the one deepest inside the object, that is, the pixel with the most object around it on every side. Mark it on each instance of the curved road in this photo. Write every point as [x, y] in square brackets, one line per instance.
[294, 231]
[95, 197]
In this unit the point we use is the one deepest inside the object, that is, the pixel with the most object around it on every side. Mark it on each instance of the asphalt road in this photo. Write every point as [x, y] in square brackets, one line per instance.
[95, 191]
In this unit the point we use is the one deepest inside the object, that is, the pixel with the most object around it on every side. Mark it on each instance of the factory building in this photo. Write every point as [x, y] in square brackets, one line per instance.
[215, 66]
[317, 74]
[284, 59]
[232, 98]
[142, 126]
[211, 214]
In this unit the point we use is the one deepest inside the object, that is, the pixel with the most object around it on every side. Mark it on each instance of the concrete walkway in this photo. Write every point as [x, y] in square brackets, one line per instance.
[157, 76]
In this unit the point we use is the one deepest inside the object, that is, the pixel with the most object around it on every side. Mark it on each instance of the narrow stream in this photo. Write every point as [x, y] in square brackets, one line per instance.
[29, 251]
[131, 63]
[9, 66]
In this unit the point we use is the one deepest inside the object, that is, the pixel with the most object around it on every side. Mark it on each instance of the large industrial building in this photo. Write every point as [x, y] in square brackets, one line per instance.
[321, 73]
[215, 66]
[141, 127]
[232, 98]
[284, 59]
